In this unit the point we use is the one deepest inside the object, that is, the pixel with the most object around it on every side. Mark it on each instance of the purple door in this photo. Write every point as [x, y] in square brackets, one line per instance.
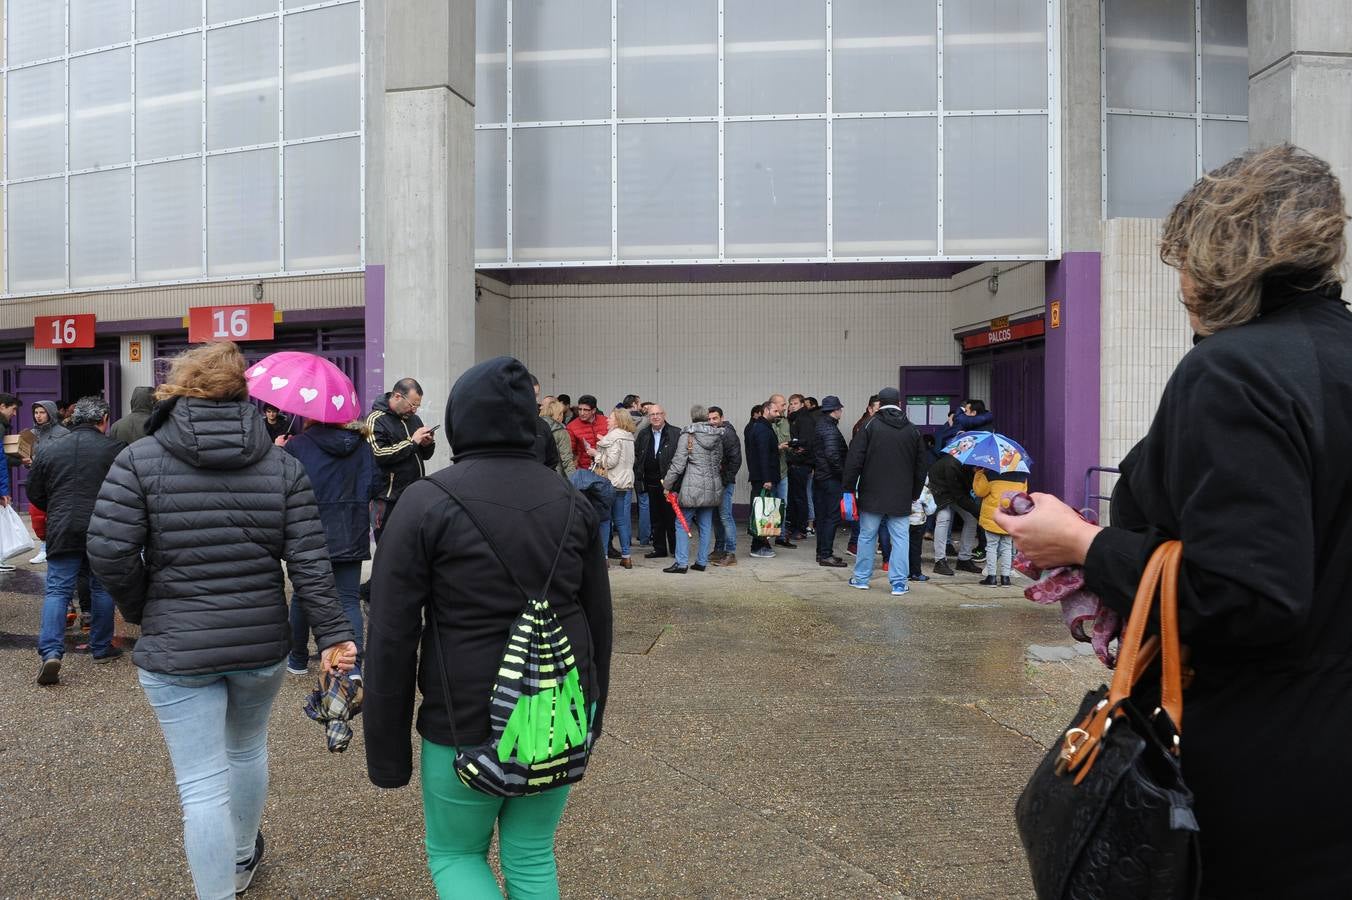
[31, 384]
[1017, 401]
[112, 388]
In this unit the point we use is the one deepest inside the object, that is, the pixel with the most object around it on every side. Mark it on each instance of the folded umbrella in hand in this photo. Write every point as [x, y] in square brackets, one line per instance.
[680, 513]
[335, 701]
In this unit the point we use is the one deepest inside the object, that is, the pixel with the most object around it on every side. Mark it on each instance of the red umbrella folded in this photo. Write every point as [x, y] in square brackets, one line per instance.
[680, 516]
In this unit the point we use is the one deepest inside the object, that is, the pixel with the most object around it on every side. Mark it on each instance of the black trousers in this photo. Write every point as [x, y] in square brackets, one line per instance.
[800, 482]
[663, 519]
[827, 502]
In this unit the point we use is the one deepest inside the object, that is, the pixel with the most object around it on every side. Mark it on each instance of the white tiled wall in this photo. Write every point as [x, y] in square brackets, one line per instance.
[1144, 334]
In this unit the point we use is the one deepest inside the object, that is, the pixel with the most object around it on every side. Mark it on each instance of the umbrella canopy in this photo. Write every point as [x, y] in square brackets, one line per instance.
[304, 385]
[989, 450]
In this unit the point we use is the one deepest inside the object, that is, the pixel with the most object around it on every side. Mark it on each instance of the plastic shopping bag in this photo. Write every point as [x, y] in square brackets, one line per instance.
[766, 515]
[14, 537]
[849, 508]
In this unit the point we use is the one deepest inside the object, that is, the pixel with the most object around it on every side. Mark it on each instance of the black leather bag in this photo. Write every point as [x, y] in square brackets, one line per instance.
[1107, 815]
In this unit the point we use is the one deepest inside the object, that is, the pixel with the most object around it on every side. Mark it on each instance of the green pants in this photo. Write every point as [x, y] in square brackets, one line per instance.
[460, 823]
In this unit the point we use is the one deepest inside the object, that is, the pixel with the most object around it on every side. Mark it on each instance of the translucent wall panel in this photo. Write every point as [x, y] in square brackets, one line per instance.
[668, 58]
[323, 71]
[1152, 161]
[668, 193]
[995, 54]
[169, 97]
[775, 188]
[323, 205]
[1222, 141]
[37, 235]
[100, 228]
[1225, 57]
[995, 185]
[242, 85]
[100, 109]
[36, 121]
[98, 23]
[169, 220]
[561, 193]
[163, 16]
[226, 10]
[490, 61]
[560, 60]
[1150, 55]
[883, 55]
[36, 29]
[490, 194]
[775, 57]
[886, 191]
[242, 219]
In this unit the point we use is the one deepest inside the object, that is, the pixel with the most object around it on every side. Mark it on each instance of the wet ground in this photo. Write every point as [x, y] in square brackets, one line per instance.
[771, 733]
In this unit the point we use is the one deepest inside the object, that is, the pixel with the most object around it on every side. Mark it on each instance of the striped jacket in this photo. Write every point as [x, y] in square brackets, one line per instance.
[400, 460]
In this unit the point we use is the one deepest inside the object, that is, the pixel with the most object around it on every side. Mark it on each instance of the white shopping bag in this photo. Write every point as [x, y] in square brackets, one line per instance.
[14, 537]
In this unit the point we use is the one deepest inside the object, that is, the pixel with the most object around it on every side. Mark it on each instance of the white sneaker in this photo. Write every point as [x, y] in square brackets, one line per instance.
[40, 558]
[6, 567]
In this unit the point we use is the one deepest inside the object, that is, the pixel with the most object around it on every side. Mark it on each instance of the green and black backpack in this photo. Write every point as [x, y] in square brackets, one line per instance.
[540, 731]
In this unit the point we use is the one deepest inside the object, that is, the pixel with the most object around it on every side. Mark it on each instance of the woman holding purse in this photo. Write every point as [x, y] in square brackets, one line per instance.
[1244, 463]
[613, 456]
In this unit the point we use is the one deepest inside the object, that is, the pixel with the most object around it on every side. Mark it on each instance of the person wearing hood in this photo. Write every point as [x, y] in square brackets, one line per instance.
[189, 534]
[46, 427]
[436, 566]
[401, 444]
[613, 457]
[886, 467]
[342, 469]
[132, 427]
[696, 476]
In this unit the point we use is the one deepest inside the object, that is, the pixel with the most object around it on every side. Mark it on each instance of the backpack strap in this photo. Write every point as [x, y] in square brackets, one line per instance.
[432, 606]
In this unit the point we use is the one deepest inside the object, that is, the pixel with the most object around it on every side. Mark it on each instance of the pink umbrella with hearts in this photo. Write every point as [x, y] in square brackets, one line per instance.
[304, 385]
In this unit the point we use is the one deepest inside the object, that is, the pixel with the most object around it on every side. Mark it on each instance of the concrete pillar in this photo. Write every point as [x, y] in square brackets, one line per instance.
[138, 371]
[1300, 78]
[1081, 105]
[1071, 414]
[428, 183]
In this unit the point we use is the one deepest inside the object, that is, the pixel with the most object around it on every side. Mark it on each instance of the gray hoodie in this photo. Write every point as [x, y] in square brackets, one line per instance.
[52, 430]
[132, 427]
[699, 455]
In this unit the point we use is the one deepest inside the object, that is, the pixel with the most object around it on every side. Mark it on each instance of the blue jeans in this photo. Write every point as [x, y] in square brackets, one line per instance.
[347, 578]
[898, 562]
[782, 491]
[216, 728]
[725, 527]
[619, 520]
[63, 569]
[703, 518]
[645, 522]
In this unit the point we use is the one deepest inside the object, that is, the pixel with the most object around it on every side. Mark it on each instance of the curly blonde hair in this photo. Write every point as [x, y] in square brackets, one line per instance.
[210, 372]
[621, 419]
[1277, 211]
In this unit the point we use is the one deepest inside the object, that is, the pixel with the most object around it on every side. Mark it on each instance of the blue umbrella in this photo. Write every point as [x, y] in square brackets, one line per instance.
[989, 450]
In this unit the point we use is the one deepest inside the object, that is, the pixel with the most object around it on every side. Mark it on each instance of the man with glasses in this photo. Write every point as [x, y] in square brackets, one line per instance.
[401, 443]
[586, 430]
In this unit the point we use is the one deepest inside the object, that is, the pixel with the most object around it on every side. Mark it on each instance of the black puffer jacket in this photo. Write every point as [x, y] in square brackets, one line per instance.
[828, 449]
[951, 484]
[65, 482]
[431, 555]
[189, 533]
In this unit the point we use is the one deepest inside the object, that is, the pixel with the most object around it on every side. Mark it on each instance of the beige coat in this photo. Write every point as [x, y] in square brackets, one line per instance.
[616, 456]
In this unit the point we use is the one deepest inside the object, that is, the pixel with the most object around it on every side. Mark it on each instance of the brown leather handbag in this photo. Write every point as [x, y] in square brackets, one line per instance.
[1107, 815]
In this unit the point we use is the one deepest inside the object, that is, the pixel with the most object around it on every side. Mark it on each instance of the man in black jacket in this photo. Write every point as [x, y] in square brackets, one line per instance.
[762, 465]
[802, 433]
[828, 475]
[401, 444]
[886, 465]
[65, 481]
[725, 527]
[654, 448]
[951, 484]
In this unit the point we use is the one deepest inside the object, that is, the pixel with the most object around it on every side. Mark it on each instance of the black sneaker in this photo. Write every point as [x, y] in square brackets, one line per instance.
[989, 581]
[244, 872]
[655, 555]
[696, 567]
[111, 654]
[612, 553]
[967, 565]
[1005, 581]
[780, 542]
[941, 567]
[50, 672]
[831, 562]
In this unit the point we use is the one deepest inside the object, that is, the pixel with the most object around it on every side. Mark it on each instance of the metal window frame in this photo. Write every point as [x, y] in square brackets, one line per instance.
[1196, 115]
[614, 120]
[279, 146]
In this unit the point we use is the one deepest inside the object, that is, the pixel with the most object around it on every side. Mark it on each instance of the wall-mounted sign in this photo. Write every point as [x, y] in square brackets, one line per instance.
[1019, 332]
[63, 332]
[244, 322]
[1055, 314]
[999, 322]
[133, 351]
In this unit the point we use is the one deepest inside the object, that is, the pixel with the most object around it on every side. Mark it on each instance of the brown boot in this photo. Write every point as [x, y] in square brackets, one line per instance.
[626, 563]
[729, 559]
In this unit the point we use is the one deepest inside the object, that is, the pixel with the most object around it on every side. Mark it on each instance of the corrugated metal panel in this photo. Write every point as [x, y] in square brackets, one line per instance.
[286, 294]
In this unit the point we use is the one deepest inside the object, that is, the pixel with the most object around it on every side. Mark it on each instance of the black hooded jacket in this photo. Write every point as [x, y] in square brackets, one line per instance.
[65, 481]
[886, 462]
[339, 464]
[431, 555]
[132, 427]
[189, 533]
[400, 460]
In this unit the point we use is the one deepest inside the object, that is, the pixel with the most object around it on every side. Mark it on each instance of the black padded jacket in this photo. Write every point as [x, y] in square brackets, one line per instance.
[189, 534]
[65, 480]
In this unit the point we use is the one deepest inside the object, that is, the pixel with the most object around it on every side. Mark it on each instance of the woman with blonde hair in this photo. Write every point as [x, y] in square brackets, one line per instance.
[189, 534]
[1245, 465]
[614, 455]
[553, 412]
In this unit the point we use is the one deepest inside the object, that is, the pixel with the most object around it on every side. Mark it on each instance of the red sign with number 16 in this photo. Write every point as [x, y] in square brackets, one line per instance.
[247, 322]
[63, 332]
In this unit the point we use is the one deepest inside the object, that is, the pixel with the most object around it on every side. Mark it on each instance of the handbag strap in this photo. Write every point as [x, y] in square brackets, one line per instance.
[432, 606]
[1161, 577]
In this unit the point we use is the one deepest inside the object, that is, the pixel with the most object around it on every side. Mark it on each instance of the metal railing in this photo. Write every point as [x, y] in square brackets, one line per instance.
[1087, 509]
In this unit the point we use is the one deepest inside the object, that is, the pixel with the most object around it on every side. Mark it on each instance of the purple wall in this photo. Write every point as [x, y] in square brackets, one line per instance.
[375, 334]
[1072, 376]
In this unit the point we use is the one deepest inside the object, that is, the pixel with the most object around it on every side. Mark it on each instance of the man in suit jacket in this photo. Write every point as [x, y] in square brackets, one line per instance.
[654, 447]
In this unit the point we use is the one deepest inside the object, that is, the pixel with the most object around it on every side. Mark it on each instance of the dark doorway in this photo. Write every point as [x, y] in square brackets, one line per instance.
[81, 380]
